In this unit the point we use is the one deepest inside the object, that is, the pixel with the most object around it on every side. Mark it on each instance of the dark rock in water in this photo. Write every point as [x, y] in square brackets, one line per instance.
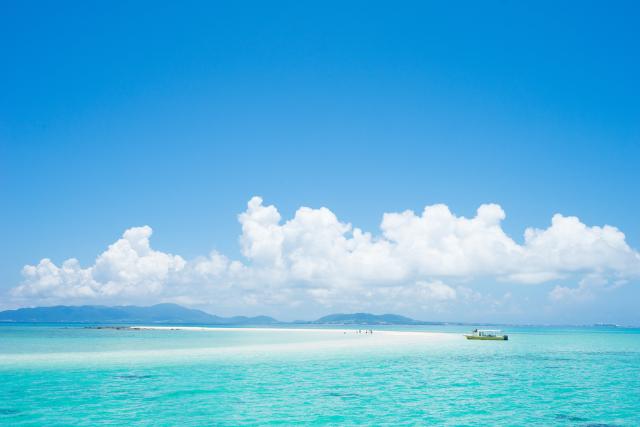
[577, 419]
[134, 376]
[343, 395]
[570, 417]
[117, 328]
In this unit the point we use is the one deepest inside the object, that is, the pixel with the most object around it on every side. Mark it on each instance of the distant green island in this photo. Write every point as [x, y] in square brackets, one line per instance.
[159, 313]
[176, 314]
[370, 319]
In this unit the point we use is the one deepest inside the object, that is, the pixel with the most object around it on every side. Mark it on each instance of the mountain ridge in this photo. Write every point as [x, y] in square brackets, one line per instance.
[369, 319]
[159, 313]
[169, 313]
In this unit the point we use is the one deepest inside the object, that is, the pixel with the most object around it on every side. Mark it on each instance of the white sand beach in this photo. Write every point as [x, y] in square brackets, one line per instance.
[364, 331]
[211, 343]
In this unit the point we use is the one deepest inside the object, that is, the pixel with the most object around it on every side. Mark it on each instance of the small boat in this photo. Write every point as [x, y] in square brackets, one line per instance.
[487, 334]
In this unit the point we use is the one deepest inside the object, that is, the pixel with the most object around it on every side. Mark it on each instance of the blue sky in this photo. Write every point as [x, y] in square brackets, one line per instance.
[174, 116]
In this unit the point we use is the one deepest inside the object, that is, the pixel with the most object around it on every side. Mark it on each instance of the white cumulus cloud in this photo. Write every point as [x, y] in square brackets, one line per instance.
[314, 258]
[129, 267]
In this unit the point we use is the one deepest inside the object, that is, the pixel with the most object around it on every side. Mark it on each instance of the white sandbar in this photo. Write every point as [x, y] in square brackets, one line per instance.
[320, 330]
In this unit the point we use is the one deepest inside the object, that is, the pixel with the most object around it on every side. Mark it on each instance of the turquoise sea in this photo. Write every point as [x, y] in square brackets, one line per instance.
[63, 375]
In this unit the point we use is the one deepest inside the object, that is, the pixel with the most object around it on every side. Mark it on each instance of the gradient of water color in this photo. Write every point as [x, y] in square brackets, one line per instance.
[69, 375]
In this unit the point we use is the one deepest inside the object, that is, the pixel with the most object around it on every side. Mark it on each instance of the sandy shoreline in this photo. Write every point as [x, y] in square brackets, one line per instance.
[318, 330]
[310, 343]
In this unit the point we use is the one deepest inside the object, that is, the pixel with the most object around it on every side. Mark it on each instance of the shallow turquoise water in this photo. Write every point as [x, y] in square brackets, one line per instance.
[52, 375]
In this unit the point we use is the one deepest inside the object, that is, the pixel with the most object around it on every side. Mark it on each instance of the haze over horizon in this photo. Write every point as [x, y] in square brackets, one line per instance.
[295, 163]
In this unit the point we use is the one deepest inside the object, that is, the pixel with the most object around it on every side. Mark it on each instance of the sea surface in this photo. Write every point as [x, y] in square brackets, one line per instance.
[63, 375]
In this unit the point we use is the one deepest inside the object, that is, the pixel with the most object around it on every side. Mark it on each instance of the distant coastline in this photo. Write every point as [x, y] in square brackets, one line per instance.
[174, 314]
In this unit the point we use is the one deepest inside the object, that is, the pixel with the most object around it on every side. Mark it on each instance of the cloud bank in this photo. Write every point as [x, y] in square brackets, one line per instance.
[416, 260]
